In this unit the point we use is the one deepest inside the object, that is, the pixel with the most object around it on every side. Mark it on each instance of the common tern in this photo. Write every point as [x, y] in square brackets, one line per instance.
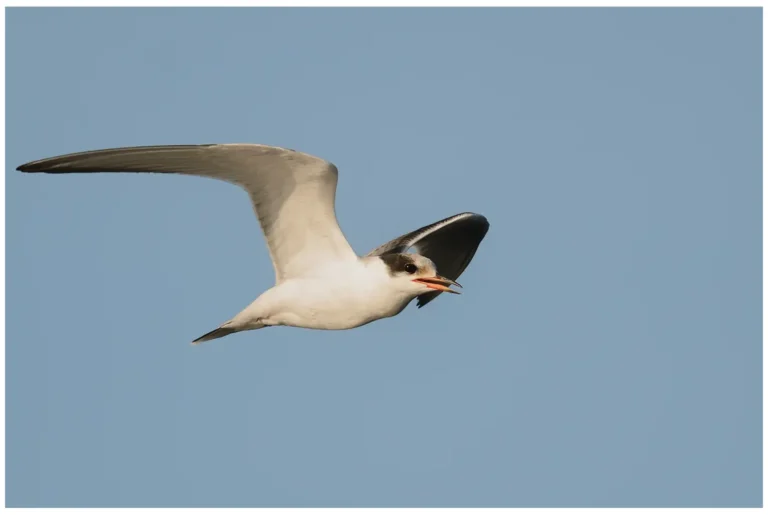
[320, 282]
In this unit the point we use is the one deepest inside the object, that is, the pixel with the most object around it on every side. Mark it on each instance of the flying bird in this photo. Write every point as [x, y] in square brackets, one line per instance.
[320, 282]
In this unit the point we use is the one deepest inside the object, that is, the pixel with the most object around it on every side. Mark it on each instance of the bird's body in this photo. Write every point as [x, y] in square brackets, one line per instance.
[320, 282]
[337, 297]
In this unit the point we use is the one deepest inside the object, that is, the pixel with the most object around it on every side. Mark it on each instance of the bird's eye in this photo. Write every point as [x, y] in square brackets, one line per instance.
[411, 268]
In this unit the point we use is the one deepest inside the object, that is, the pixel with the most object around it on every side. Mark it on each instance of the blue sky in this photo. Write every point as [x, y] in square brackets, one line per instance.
[607, 348]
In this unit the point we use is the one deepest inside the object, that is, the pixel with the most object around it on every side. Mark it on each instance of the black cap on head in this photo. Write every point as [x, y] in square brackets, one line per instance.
[398, 263]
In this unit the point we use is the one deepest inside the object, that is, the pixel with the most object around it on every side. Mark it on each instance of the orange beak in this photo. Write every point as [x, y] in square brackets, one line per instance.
[438, 283]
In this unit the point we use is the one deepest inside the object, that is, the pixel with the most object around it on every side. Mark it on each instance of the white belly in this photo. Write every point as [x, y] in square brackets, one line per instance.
[337, 298]
[318, 304]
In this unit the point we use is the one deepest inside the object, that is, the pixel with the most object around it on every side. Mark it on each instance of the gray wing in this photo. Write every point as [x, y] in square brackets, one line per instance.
[450, 243]
[293, 194]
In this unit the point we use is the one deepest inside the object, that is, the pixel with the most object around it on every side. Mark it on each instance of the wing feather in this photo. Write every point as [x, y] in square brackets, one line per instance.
[293, 194]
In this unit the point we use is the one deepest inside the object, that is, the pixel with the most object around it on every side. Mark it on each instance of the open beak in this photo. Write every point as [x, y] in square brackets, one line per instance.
[438, 283]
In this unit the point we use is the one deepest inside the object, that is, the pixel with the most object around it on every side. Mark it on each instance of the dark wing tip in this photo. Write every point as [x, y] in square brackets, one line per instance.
[34, 167]
[44, 165]
[78, 161]
[477, 222]
[480, 220]
[47, 166]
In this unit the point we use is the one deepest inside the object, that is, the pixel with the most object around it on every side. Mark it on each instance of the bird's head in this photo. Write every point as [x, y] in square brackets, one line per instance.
[416, 274]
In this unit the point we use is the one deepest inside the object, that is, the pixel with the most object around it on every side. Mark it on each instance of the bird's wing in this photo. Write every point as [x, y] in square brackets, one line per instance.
[450, 243]
[293, 193]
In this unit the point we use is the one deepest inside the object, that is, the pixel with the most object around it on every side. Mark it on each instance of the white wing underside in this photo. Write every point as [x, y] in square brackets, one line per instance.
[293, 193]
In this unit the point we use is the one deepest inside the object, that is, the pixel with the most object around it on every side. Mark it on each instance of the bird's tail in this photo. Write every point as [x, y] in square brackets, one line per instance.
[216, 333]
[225, 329]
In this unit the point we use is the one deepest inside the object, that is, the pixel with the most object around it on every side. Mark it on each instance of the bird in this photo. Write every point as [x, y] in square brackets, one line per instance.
[320, 281]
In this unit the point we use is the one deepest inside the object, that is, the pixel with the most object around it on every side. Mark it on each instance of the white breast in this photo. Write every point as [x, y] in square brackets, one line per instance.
[342, 297]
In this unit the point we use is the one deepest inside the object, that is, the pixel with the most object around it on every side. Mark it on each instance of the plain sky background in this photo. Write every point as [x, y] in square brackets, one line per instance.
[607, 348]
